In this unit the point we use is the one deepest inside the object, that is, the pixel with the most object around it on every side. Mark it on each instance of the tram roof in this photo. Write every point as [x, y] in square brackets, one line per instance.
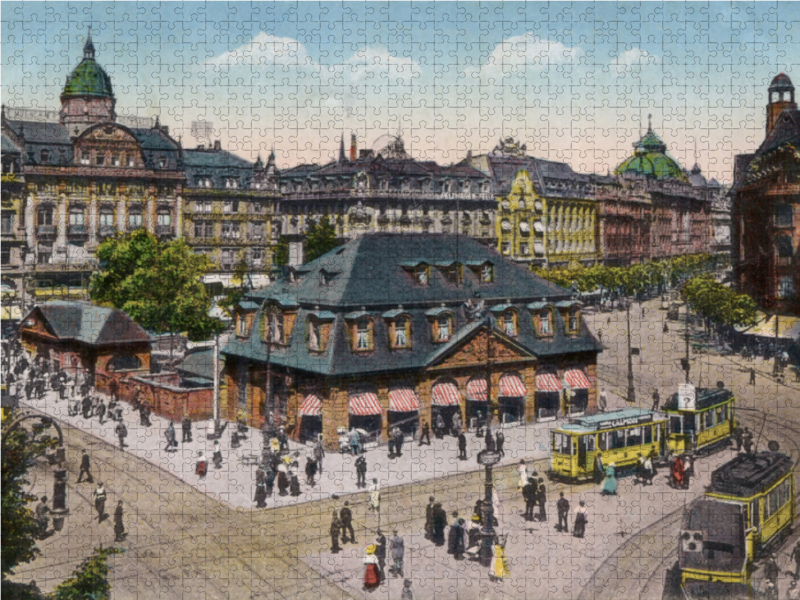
[706, 398]
[749, 474]
[723, 545]
[610, 420]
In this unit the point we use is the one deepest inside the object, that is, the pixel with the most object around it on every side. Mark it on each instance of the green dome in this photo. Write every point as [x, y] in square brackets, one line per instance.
[651, 159]
[88, 79]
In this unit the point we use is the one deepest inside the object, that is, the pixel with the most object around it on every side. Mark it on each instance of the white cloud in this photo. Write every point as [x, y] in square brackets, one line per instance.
[633, 59]
[525, 52]
[264, 49]
[377, 64]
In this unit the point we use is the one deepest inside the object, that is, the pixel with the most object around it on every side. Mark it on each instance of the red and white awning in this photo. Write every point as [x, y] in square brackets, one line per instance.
[476, 389]
[311, 406]
[576, 379]
[548, 382]
[363, 404]
[403, 400]
[445, 394]
[511, 386]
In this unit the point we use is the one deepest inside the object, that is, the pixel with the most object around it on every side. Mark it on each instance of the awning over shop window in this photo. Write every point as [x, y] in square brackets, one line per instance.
[445, 394]
[548, 382]
[476, 389]
[364, 403]
[403, 400]
[311, 407]
[577, 379]
[511, 386]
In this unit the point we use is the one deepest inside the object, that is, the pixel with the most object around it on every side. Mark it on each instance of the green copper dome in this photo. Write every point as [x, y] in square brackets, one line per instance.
[88, 78]
[651, 159]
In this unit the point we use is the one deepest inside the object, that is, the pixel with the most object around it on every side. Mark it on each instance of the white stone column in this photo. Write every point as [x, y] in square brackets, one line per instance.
[61, 239]
[92, 221]
[121, 206]
[179, 216]
[149, 218]
[30, 227]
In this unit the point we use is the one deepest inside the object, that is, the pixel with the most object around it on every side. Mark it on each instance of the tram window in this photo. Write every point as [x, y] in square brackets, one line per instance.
[723, 411]
[709, 418]
[616, 439]
[634, 436]
[755, 517]
[603, 441]
[675, 425]
[689, 424]
[777, 498]
[648, 434]
[589, 440]
[563, 443]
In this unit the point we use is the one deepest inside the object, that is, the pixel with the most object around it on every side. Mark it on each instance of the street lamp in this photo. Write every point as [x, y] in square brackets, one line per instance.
[631, 398]
[488, 459]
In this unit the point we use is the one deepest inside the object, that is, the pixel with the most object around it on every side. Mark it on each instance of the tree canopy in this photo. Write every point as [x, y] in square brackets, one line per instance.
[156, 283]
[321, 239]
[719, 303]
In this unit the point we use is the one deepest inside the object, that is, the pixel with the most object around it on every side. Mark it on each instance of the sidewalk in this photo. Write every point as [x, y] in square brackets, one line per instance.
[234, 483]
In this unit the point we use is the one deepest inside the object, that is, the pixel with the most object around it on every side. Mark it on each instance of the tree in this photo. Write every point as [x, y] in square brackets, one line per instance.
[90, 579]
[156, 283]
[280, 254]
[321, 239]
[717, 303]
[234, 294]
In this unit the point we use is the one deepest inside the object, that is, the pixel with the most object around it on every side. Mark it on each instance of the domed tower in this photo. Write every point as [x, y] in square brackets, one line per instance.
[87, 97]
[650, 159]
[781, 95]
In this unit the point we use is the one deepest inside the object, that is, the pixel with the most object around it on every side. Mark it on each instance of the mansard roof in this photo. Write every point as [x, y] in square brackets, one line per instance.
[89, 324]
[217, 164]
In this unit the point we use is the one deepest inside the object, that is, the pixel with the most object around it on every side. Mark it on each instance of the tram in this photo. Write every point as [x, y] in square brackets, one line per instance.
[747, 511]
[620, 436]
[701, 420]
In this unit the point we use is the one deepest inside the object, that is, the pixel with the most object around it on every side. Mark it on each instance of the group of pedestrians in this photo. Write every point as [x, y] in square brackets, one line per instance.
[534, 493]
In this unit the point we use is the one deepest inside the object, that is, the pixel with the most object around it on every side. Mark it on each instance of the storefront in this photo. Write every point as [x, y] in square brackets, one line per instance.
[445, 401]
[511, 398]
[365, 412]
[548, 396]
[310, 418]
[477, 401]
[577, 388]
[403, 409]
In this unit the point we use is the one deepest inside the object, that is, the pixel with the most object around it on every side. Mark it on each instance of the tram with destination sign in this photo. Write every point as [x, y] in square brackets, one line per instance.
[746, 513]
[701, 420]
[619, 436]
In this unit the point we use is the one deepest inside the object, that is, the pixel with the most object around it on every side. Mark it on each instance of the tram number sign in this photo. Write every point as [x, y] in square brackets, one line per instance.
[625, 421]
[488, 459]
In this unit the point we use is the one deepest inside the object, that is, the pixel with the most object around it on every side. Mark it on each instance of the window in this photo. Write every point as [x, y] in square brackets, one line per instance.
[453, 273]
[648, 434]
[505, 248]
[203, 206]
[709, 419]
[230, 206]
[574, 320]
[7, 223]
[777, 498]
[364, 334]
[134, 219]
[228, 257]
[675, 425]
[421, 275]
[562, 443]
[402, 327]
[257, 231]
[230, 230]
[241, 325]
[106, 218]
[45, 256]
[783, 215]
[634, 436]
[524, 249]
[203, 229]
[45, 156]
[115, 160]
[314, 338]
[783, 244]
[257, 207]
[616, 439]
[76, 216]
[99, 159]
[487, 273]
[256, 257]
[545, 323]
[45, 217]
[204, 181]
[131, 161]
[786, 287]
[510, 322]
[443, 329]
[232, 182]
[164, 219]
[5, 254]
[276, 329]
[162, 162]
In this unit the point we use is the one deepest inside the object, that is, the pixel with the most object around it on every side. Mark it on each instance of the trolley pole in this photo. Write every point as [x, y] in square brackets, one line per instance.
[631, 389]
[686, 338]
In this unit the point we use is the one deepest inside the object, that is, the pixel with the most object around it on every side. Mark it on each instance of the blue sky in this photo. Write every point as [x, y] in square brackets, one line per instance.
[575, 81]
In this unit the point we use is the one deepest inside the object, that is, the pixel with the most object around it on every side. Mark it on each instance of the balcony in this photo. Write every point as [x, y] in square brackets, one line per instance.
[77, 231]
[163, 230]
[106, 231]
[46, 232]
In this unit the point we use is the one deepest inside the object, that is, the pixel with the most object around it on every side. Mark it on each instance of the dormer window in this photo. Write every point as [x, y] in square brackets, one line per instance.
[131, 162]
[510, 322]
[443, 328]
[487, 273]
[45, 156]
[453, 273]
[100, 159]
[230, 206]
[162, 162]
[546, 322]
[363, 337]
[232, 182]
[401, 333]
[115, 160]
[574, 320]
[241, 325]
[84, 158]
[421, 275]
[314, 335]
[275, 328]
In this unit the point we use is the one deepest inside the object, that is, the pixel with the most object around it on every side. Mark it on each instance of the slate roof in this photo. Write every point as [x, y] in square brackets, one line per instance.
[503, 170]
[372, 280]
[200, 364]
[9, 147]
[216, 164]
[89, 324]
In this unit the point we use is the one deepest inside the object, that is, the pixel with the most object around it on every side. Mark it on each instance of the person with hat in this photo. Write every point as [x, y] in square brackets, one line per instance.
[542, 499]
[100, 501]
[335, 530]
[119, 528]
[372, 576]
[319, 453]
[795, 556]
[346, 517]
[375, 496]
[201, 466]
[453, 535]
[397, 550]
[429, 518]
[529, 494]
[610, 482]
[86, 467]
[462, 446]
[439, 523]
[579, 528]
[407, 593]
[499, 564]
[562, 507]
[426, 432]
[380, 553]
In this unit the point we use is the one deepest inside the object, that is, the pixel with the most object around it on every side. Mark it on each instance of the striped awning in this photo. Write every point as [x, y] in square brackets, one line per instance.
[511, 386]
[577, 379]
[445, 394]
[476, 389]
[403, 400]
[364, 403]
[311, 406]
[548, 383]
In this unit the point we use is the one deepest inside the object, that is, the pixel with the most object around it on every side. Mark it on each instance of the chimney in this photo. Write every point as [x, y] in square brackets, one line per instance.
[217, 145]
[201, 146]
[353, 147]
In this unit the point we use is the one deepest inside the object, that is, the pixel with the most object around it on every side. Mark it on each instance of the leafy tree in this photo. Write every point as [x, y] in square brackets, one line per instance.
[90, 579]
[19, 525]
[234, 294]
[280, 254]
[717, 303]
[321, 239]
[156, 283]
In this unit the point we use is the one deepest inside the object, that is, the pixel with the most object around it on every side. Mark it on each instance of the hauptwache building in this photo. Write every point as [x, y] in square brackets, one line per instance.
[391, 329]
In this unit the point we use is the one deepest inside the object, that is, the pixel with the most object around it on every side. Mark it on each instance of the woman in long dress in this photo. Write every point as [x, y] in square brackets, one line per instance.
[499, 565]
[522, 470]
[579, 528]
[372, 576]
[610, 482]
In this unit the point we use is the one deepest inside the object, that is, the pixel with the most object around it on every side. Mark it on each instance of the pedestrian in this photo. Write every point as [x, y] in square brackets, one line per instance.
[500, 441]
[86, 406]
[186, 427]
[391, 443]
[201, 466]
[542, 499]
[795, 556]
[398, 441]
[261, 488]
[42, 520]
[599, 468]
[603, 400]
[335, 531]
[562, 507]
[407, 593]
[522, 474]
[649, 470]
[439, 524]
[439, 426]
[462, 446]
[429, 518]
[119, 528]
[738, 438]
[579, 528]
[170, 435]
[529, 494]
[311, 470]
[380, 553]
[113, 387]
[361, 472]
[656, 399]
[397, 551]
[499, 565]
[688, 469]
[665, 329]
[771, 569]
[610, 481]
[217, 456]
[269, 479]
[283, 439]
[372, 575]
[122, 433]
[375, 496]
[294, 485]
[489, 439]
[426, 432]
[100, 502]
[100, 411]
[319, 453]
[752, 376]
[453, 535]
[748, 441]
[86, 467]
[793, 593]
[355, 442]
[600, 335]
[346, 518]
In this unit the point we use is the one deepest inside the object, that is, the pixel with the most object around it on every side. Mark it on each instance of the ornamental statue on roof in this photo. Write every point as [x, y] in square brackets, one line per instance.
[394, 150]
[509, 147]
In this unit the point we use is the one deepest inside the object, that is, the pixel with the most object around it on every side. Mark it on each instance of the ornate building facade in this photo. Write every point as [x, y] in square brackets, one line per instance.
[766, 208]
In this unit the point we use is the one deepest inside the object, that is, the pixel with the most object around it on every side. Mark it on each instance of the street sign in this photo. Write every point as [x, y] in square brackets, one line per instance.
[487, 459]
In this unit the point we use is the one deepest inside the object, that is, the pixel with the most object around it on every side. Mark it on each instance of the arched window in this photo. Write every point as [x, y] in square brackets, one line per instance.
[401, 332]
[314, 335]
[77, 216]
[444, 327]
[45, 216]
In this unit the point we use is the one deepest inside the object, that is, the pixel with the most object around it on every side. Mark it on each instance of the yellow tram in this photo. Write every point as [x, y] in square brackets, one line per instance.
[701, 420]
[620, 436]
[747, 511]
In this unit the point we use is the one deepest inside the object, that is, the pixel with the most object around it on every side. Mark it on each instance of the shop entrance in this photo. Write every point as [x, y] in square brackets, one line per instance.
[407, 422]
[512, 409]
[310, 428]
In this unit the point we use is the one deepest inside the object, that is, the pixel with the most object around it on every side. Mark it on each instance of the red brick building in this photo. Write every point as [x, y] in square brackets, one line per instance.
[766, 208]
[391, 329]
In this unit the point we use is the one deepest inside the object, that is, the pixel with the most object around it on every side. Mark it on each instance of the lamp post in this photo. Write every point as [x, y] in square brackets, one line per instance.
[488, 459]
[631, 398]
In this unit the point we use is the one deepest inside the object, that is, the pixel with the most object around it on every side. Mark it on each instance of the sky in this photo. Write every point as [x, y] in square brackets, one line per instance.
[575, 82]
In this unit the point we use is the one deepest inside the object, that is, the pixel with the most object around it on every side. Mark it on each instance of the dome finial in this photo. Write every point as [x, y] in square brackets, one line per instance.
[88, 47]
